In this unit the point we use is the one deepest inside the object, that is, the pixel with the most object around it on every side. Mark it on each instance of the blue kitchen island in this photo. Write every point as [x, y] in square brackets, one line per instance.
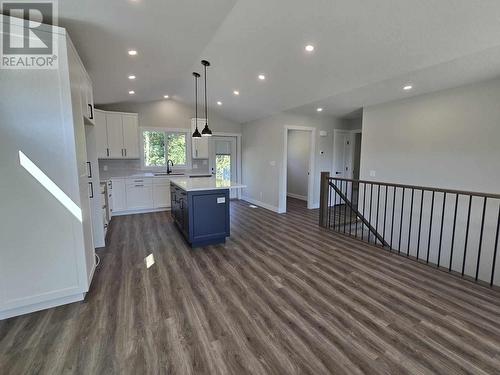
[200, 209]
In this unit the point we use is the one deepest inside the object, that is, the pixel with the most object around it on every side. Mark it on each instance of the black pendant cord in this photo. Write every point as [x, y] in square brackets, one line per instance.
[206, 106]
[196, 101]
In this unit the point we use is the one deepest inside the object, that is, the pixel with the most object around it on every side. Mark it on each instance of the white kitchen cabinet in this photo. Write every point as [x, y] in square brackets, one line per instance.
[130, 136]
[199, 145]
[87, 100]
[139, 195]
[118, 135]
[118, 195]
[114, 128]
[101, 134]
[161, 193]
[47, 255]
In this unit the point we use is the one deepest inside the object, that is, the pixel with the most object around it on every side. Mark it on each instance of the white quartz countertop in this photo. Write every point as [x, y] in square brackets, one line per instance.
[205, 183]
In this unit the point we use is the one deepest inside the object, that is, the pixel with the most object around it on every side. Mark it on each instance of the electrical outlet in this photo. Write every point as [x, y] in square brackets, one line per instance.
[105, 168]
[195, 166]
[373, 173]
[272, 163]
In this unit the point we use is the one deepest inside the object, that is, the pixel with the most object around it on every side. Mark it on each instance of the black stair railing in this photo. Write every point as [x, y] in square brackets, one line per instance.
[453, 230]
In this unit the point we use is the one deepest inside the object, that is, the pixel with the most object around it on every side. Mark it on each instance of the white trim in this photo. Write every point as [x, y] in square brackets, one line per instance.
[41, 306]
[310, 179]
[297, 196]
[352, 132]
[260, 204]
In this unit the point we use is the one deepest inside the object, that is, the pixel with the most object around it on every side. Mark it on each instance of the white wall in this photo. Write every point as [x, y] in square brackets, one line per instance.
[263, 146]
[447, 139]
[298, 162]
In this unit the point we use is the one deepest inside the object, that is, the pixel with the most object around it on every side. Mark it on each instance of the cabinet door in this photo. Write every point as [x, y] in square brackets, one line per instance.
[161, 195]
[130, 136]
[139, 196]
[118, 194]
[101, 135]
[115, 135]
[199, 145]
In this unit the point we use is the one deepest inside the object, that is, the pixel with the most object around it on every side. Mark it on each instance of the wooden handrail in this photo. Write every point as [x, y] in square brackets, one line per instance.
[415, 187]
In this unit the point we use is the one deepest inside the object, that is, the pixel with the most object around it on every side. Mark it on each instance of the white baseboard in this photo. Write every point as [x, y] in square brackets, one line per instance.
[41, 306]
[297, 196]
[260, 204]
[143, 211]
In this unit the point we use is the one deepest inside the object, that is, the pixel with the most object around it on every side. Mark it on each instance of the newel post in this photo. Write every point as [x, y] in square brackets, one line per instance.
[323, 199]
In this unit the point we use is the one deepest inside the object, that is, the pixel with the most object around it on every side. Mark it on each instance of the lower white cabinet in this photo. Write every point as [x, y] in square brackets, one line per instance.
[140, 194]
[161, 193]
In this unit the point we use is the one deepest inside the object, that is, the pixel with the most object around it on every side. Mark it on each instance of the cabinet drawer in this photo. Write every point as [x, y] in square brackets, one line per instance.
[139, 196]
[139, 181]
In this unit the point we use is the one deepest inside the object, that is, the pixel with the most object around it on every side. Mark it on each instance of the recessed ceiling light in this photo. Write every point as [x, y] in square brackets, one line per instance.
[132, 52]
[131, 92]
[236, 92]
[219, 103]
[166, 96]
[262, 77]
[407, 87]
[131, 77]
[309, 48]
[319, 109]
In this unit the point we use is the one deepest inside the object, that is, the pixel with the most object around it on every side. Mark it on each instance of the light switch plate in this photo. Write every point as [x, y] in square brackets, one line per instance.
[323, 133]
[373, 173]
[221, 200]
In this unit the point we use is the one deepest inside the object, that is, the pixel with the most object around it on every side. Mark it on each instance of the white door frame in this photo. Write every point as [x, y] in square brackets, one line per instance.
[239, 164]
[284, 177]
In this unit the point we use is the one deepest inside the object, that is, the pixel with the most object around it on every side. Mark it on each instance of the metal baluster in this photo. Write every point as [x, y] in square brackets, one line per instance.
[329, 206]
[401, 220]
[420, 223]
[364, 204]
[409, 226]
[496, 249]
[385, 212]
[393, 208]
[467, 235]
[357, 207]
[350, 211]
[345, 204]
[430, 229]
[441, 232]
[453, 233]
[370, 219]
[378, 206]
[481, 238]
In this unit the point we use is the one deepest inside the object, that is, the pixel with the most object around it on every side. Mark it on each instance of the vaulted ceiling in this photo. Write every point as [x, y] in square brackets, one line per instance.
[365, 51]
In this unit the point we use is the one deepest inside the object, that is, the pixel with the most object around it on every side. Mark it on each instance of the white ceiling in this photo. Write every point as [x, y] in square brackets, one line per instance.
[365, 50]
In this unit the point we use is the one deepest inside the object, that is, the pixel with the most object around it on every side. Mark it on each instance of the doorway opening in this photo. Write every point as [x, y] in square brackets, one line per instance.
[224, 160]
[347, 160]
[298, 166]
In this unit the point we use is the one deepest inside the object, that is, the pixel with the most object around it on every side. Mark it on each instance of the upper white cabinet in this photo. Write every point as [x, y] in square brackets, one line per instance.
[88, 100]
[199, 145]
[118, 135]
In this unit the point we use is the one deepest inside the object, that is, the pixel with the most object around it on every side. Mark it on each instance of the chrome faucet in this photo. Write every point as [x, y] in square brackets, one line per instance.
[168, 166]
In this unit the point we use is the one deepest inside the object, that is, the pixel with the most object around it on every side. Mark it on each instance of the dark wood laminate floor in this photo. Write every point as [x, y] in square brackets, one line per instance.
[282, 296]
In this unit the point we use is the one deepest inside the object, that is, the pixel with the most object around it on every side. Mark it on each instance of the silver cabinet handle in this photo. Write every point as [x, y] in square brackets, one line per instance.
[125, 152]
[107, 152]
[138, 180]
[138, 185]
[91, 190]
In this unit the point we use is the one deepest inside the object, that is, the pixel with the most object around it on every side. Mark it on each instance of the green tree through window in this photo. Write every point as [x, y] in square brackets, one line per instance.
[161, 146]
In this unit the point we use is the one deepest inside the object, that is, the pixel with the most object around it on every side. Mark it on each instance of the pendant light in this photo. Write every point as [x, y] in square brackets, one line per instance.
[196, 133]
[206, 132]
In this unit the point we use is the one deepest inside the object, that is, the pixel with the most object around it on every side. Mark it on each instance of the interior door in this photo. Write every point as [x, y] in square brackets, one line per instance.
[343, 159]
[223, 160]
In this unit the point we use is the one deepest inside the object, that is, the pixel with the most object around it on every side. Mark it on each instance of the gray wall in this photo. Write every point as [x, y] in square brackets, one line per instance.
[298, 162]
[171, 114]
[263, 145]
[448, 139]
[162, 114]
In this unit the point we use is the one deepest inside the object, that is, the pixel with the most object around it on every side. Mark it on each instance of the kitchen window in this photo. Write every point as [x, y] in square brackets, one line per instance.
[159, 146]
